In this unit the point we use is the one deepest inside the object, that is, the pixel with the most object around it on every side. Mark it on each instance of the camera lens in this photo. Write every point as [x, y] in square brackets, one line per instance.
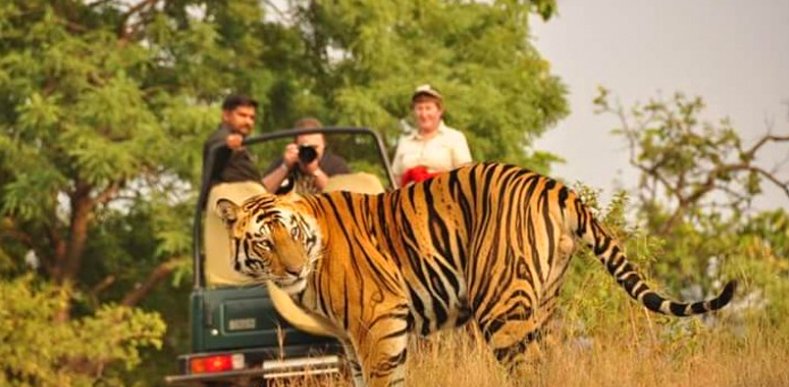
[307, 154]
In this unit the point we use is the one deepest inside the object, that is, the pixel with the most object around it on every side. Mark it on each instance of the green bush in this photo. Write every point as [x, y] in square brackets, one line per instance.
[39, 350]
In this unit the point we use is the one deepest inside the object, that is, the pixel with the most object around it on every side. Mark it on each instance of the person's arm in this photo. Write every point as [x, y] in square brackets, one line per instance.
[274, 179]
[221, 156]
[460, 151]
[321, 178]
[397, 164]
[314, 169]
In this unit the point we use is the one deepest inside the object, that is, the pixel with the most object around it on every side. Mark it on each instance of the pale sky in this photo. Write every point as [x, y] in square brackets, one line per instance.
[734, 54]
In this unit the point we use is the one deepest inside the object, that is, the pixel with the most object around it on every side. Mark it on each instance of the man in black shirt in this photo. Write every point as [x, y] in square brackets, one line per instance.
[234, 176]
[305, 165]
[233, 163]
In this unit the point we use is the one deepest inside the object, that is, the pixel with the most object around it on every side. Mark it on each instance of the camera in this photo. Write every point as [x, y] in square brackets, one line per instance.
[307, 154]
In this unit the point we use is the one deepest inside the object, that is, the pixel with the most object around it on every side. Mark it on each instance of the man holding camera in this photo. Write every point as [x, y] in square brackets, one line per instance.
[306, 164]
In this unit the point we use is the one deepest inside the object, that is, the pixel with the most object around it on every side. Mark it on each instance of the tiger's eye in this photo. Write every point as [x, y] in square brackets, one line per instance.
[264, 244]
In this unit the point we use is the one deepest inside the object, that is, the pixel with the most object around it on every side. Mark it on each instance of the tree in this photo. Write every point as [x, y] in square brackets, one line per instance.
[90, 116]
[362, 61]
[686, 161]
[693, 210]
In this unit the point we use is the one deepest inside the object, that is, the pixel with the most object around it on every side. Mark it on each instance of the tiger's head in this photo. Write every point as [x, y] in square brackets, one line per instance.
[271, 240]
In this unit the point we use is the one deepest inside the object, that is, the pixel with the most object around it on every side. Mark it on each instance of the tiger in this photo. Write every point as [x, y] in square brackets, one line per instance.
[487, 242]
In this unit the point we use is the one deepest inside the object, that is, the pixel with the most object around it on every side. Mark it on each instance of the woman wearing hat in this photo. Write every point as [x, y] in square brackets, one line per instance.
[433, 147]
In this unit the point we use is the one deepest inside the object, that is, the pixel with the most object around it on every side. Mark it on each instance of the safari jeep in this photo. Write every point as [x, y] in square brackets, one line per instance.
[238, 335]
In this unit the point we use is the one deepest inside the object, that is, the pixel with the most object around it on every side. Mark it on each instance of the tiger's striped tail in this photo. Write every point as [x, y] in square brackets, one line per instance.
[607, 249]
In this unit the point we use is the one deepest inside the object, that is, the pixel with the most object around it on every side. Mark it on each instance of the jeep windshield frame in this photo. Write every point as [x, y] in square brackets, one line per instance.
[197, 225]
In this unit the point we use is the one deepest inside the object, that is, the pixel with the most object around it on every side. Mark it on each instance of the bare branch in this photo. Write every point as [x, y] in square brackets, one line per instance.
[102, 286]
[138, 7]
[709, 183]
[9, 230]
[123, 31]
[98, 3]
[767, 138]
[109, 193]
[131, 31]
[739, 196]
[672, 221]
[273, 6]
[784, 185]
[154, 278]
[73, 26]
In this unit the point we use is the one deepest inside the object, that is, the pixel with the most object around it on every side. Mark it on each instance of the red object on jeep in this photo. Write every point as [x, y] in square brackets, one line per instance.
[415, 175]
[218, 363]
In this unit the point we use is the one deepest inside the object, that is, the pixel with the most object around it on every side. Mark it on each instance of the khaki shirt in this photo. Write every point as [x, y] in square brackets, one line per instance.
[447, 150]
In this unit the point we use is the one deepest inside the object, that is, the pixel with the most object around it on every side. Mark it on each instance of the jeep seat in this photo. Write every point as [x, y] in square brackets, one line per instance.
[218, 268]
[361, 182]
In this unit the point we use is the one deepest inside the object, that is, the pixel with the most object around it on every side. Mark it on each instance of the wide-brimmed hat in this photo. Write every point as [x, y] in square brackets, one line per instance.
[426, 89]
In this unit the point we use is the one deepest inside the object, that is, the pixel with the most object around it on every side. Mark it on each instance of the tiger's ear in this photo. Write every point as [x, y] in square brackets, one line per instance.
[227, 211]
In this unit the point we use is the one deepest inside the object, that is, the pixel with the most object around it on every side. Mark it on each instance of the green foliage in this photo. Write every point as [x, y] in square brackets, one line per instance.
[37, 350]
[772, 229]
[363, 61]
[760, 257]
[596, 301]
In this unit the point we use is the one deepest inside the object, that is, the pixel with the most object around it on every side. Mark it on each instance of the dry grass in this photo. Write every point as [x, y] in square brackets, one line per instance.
[630, 357]
[613, 359]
